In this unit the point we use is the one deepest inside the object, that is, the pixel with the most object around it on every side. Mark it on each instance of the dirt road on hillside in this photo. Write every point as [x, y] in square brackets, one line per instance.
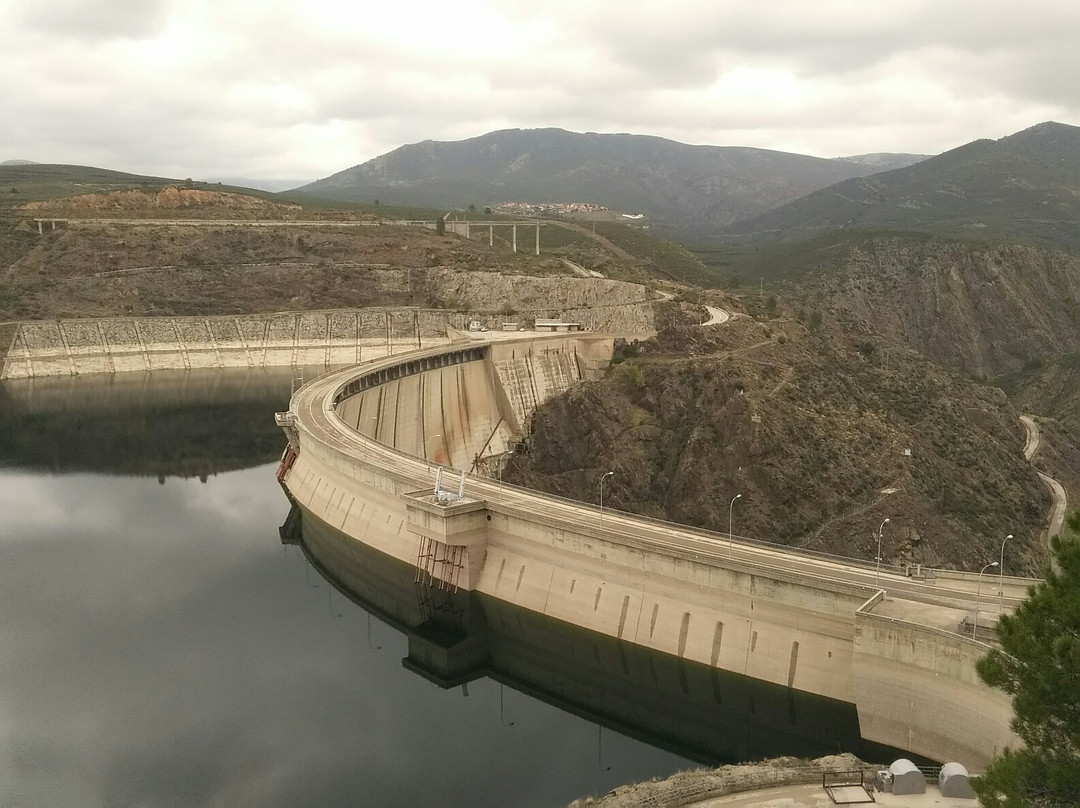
[1061, 502]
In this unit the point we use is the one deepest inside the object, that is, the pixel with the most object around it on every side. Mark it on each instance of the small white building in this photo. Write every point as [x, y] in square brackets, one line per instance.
[954, 782]
[906, 778]
[556, 325]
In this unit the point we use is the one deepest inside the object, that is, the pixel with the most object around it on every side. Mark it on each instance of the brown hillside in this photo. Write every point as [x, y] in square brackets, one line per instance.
[811, 428]
[983, 310]
[108, 269]
[169, 202]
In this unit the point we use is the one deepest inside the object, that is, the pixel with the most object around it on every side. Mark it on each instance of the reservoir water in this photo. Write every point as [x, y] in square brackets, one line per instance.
[169, 638]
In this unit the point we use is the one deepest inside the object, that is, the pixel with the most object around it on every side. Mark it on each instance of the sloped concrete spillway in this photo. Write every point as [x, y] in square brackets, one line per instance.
[364, 445]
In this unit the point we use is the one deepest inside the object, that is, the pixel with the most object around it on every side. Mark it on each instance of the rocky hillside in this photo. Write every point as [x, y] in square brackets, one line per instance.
[813, 427]
[682, 186]
[1050, 388]
[1025, 187]
[120, 269]
[101, 267]
[983, 310]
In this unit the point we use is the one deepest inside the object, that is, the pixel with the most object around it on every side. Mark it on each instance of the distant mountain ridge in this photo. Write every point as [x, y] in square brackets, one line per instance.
[1025, 186]
[675, 184]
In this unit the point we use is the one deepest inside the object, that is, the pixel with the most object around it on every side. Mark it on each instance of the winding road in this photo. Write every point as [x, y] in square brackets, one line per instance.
[1061, 502]
[717, 316]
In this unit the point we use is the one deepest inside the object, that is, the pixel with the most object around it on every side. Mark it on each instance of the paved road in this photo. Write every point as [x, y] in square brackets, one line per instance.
[577, 269]
[717, 316]
[1032, 441]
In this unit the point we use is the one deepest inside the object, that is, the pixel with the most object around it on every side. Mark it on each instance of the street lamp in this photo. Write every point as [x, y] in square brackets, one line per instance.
[978, 593]
[729, 508]
[877, 574]
[1001, 571]
[610, 473]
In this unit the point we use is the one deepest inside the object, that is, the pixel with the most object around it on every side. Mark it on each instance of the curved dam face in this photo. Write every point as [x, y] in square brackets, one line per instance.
[364, 446]
[698, 711]
[467, 407]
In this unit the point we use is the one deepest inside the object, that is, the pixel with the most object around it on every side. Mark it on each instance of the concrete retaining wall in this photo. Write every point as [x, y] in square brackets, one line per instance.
[327, 338]
[290, 339]
[916, 687]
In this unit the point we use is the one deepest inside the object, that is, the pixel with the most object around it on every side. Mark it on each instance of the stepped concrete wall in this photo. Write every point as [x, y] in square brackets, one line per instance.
[327, 338]
[322, 338]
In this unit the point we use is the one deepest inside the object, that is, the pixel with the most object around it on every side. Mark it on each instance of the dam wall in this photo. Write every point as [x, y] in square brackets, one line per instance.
[124, 344]
[465, 413]
[753, 622]
[325, 338]
[697, 711]
[748, 621]
[759, 613]
[918, 684]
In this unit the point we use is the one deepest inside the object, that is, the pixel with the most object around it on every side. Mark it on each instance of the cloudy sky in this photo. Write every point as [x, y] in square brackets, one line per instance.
[299, 90]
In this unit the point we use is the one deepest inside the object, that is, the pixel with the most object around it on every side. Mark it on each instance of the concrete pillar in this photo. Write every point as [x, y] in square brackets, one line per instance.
[491, 235]
[515, 238]
[538, 238]
[39, 229]
[53, 223]
[467, 230]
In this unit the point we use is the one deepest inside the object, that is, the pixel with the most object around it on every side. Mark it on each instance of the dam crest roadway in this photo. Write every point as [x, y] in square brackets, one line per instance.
[364, 446]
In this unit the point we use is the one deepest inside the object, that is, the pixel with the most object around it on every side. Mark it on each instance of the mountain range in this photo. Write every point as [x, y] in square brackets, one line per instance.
[1024, 187]
[691, 188]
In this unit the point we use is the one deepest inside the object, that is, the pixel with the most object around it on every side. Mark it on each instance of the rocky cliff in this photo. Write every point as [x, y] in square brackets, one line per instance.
[984, 310]
[821, 439]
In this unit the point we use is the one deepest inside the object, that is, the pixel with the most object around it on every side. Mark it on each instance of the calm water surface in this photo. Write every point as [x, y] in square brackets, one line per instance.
[161, 647]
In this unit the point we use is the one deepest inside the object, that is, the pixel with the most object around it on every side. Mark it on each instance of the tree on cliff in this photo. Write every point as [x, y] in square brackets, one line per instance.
[1038, 664]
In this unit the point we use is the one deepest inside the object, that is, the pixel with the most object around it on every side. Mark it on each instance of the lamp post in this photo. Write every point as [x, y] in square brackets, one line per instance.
[731, 505]
[609, 474]
[978, 593]
[877, 573]
[1001, 572]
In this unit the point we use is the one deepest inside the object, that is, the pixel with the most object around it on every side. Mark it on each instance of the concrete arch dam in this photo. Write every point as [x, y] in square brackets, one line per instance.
[364, 445]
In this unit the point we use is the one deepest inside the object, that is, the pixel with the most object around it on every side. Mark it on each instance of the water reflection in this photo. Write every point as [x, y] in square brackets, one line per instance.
[161, 648]
[183, 423]
[692, 710]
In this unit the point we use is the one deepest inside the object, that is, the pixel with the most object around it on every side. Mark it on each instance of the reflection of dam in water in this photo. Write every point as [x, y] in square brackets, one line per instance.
[694, 710]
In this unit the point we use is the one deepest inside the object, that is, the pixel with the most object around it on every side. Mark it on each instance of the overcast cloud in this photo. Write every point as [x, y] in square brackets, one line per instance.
[283, 89]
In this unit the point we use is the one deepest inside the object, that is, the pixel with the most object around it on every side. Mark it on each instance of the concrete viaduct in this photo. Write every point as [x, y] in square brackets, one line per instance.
[364, 446]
